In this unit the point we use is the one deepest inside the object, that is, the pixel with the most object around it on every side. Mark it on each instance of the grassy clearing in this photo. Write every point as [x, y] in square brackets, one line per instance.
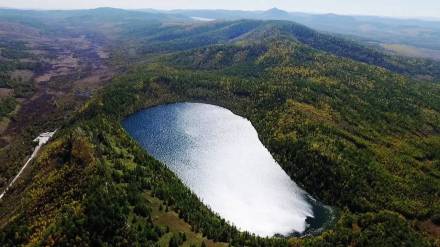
[411, 51]
[170, 219]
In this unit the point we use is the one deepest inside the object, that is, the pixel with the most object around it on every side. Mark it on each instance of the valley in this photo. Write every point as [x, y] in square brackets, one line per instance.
[61, 72]
[72, 69]
[358, 129]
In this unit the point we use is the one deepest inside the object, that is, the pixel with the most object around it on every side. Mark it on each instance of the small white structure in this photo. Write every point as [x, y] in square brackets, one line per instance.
[41, 139]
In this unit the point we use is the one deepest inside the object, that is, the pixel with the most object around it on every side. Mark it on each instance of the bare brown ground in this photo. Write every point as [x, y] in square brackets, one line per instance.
[76, 69]
[5, 92]
[431, 228]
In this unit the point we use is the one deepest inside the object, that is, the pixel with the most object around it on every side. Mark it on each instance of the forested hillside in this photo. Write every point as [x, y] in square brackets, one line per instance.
[357, 129]
[419, 36]
[153, 39]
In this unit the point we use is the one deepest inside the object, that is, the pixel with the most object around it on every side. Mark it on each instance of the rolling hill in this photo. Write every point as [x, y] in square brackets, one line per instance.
[355, 127]
[413, 32]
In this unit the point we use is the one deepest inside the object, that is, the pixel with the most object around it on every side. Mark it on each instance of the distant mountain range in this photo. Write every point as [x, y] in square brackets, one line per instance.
[416, 33]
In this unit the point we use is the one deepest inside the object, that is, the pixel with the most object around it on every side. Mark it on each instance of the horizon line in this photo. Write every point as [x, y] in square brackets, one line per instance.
[423, 18]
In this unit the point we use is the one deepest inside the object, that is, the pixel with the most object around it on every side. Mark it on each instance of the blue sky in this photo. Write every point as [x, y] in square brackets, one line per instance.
[397, 8]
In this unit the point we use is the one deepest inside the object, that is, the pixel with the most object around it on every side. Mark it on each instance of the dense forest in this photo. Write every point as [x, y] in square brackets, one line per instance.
[153, 38]
[357, 129]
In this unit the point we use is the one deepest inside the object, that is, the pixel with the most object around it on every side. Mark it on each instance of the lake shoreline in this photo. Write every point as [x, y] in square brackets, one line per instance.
[310, 224]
